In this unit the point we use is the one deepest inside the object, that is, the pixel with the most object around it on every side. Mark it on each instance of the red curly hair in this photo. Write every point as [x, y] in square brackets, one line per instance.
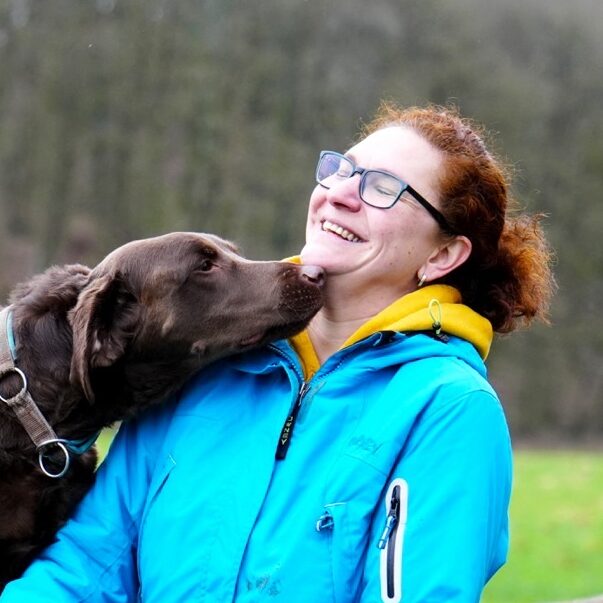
[508, 277]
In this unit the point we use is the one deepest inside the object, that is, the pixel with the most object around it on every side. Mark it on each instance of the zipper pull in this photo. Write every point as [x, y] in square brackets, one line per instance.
[325, 522]
[287, 431]
[391, 519]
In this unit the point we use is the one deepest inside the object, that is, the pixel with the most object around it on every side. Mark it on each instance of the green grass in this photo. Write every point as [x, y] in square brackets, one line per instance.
[556, 530]
[104, 442]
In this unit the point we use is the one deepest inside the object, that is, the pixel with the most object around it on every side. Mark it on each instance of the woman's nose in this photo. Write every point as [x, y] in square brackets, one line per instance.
[346, 193]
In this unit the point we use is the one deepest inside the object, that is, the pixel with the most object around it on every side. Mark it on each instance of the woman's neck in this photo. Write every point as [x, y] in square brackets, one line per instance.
[328, 333]
[342, 314]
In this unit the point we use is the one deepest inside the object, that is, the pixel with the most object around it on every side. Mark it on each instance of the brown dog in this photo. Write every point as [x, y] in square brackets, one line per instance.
[99, 346]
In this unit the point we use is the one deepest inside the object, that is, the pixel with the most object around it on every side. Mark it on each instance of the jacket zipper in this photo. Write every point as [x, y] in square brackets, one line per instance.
[287, 430]
[390, 542]
[284, 440]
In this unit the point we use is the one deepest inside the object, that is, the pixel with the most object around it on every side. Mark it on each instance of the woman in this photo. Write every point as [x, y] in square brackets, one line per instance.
[366, 460]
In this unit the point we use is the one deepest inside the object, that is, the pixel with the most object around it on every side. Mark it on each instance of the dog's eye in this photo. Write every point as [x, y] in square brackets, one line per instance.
[205, 266]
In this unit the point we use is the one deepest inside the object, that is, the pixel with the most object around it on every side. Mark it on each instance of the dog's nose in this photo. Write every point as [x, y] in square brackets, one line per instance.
[315, 274]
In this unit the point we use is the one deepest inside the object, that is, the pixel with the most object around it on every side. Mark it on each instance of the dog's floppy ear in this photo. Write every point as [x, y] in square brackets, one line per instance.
[103, 322]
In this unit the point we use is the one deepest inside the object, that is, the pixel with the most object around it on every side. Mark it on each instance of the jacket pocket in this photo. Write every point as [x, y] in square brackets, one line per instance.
[334, 524]
[391, 541]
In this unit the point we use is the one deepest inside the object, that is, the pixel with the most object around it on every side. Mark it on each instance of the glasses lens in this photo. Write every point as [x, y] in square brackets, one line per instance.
[380, 190]
[333, 167]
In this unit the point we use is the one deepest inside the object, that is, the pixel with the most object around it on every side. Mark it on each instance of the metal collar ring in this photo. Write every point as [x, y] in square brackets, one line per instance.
[42, 458]
[21, 374]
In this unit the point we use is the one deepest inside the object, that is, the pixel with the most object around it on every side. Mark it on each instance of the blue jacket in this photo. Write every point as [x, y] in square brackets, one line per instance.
[394, 487]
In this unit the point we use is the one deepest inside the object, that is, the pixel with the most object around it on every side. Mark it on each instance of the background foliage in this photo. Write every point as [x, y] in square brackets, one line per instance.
[127, 118]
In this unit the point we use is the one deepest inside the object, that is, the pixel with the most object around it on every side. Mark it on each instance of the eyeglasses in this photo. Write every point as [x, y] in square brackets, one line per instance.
[377, 188]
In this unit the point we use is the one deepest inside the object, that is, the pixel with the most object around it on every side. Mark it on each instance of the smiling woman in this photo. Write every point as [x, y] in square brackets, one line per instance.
[366, 458]
[393, 242]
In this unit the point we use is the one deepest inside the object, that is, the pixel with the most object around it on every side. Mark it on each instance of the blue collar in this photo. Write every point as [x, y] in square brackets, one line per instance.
[10, 335]
[82, 445]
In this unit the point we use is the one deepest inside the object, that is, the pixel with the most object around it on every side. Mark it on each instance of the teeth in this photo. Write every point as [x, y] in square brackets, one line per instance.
[339, 230]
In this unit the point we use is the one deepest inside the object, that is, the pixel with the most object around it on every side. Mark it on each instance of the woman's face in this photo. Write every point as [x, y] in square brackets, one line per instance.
[389, 246]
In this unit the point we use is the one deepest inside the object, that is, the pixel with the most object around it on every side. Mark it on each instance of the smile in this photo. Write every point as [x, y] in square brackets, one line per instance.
[344, 233]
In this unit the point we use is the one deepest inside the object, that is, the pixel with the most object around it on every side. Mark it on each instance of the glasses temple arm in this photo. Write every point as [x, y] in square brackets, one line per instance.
[436, 214]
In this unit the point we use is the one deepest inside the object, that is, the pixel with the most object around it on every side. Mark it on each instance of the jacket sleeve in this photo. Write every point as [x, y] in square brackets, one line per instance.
[450, 493]
[93, 558]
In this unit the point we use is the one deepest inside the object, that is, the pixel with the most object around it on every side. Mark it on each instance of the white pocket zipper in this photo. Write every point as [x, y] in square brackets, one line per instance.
[391, 541]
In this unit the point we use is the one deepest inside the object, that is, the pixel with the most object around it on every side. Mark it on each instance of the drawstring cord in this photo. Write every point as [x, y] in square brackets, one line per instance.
[435, 312]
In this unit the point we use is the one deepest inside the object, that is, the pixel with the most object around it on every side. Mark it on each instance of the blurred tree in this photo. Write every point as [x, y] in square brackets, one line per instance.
[127, 118]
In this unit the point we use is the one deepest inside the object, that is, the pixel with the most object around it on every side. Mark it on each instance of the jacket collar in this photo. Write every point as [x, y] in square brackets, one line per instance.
[432, 308]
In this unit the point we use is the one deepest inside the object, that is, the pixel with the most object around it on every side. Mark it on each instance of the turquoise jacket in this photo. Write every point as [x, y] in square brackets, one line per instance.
[394, 486]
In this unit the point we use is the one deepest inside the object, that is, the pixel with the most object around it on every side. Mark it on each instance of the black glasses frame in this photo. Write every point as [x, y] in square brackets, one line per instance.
[435, 214]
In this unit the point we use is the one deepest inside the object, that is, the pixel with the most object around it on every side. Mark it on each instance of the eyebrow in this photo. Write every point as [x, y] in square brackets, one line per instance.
[351, 157]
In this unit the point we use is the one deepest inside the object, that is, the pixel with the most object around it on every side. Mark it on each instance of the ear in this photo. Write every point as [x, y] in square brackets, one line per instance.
[55, 290]
[103, 321]
[446, 258]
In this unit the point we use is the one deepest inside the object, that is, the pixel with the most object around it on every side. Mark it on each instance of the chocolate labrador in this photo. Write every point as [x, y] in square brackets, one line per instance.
[92, 347]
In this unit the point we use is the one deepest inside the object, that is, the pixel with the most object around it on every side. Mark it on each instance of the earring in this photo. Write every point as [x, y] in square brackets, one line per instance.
[422, 280]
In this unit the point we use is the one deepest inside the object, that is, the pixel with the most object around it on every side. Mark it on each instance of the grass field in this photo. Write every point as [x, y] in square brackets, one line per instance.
[104, 441]
[556, 529]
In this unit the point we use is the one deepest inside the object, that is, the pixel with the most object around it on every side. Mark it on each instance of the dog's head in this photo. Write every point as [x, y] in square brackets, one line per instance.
[185, 296]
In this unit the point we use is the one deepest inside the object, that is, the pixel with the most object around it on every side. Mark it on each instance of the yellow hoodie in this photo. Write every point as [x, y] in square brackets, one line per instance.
[430, 308]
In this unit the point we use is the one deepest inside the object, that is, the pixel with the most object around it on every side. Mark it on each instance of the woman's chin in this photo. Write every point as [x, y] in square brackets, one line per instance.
[313, 255]
[332, 261]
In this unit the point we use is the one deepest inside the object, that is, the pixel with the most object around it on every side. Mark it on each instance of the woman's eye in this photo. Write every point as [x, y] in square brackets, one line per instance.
[385, 192]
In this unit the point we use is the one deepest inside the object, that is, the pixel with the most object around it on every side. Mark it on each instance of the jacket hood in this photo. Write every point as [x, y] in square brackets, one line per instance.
[431, 308]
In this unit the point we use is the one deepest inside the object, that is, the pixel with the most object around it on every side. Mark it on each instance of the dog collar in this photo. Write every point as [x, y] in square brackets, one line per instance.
[31, 418]
[82, 445]
[10, 336]
[8, 351]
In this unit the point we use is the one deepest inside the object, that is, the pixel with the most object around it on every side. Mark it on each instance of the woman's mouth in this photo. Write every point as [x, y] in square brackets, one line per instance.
[340, 231]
